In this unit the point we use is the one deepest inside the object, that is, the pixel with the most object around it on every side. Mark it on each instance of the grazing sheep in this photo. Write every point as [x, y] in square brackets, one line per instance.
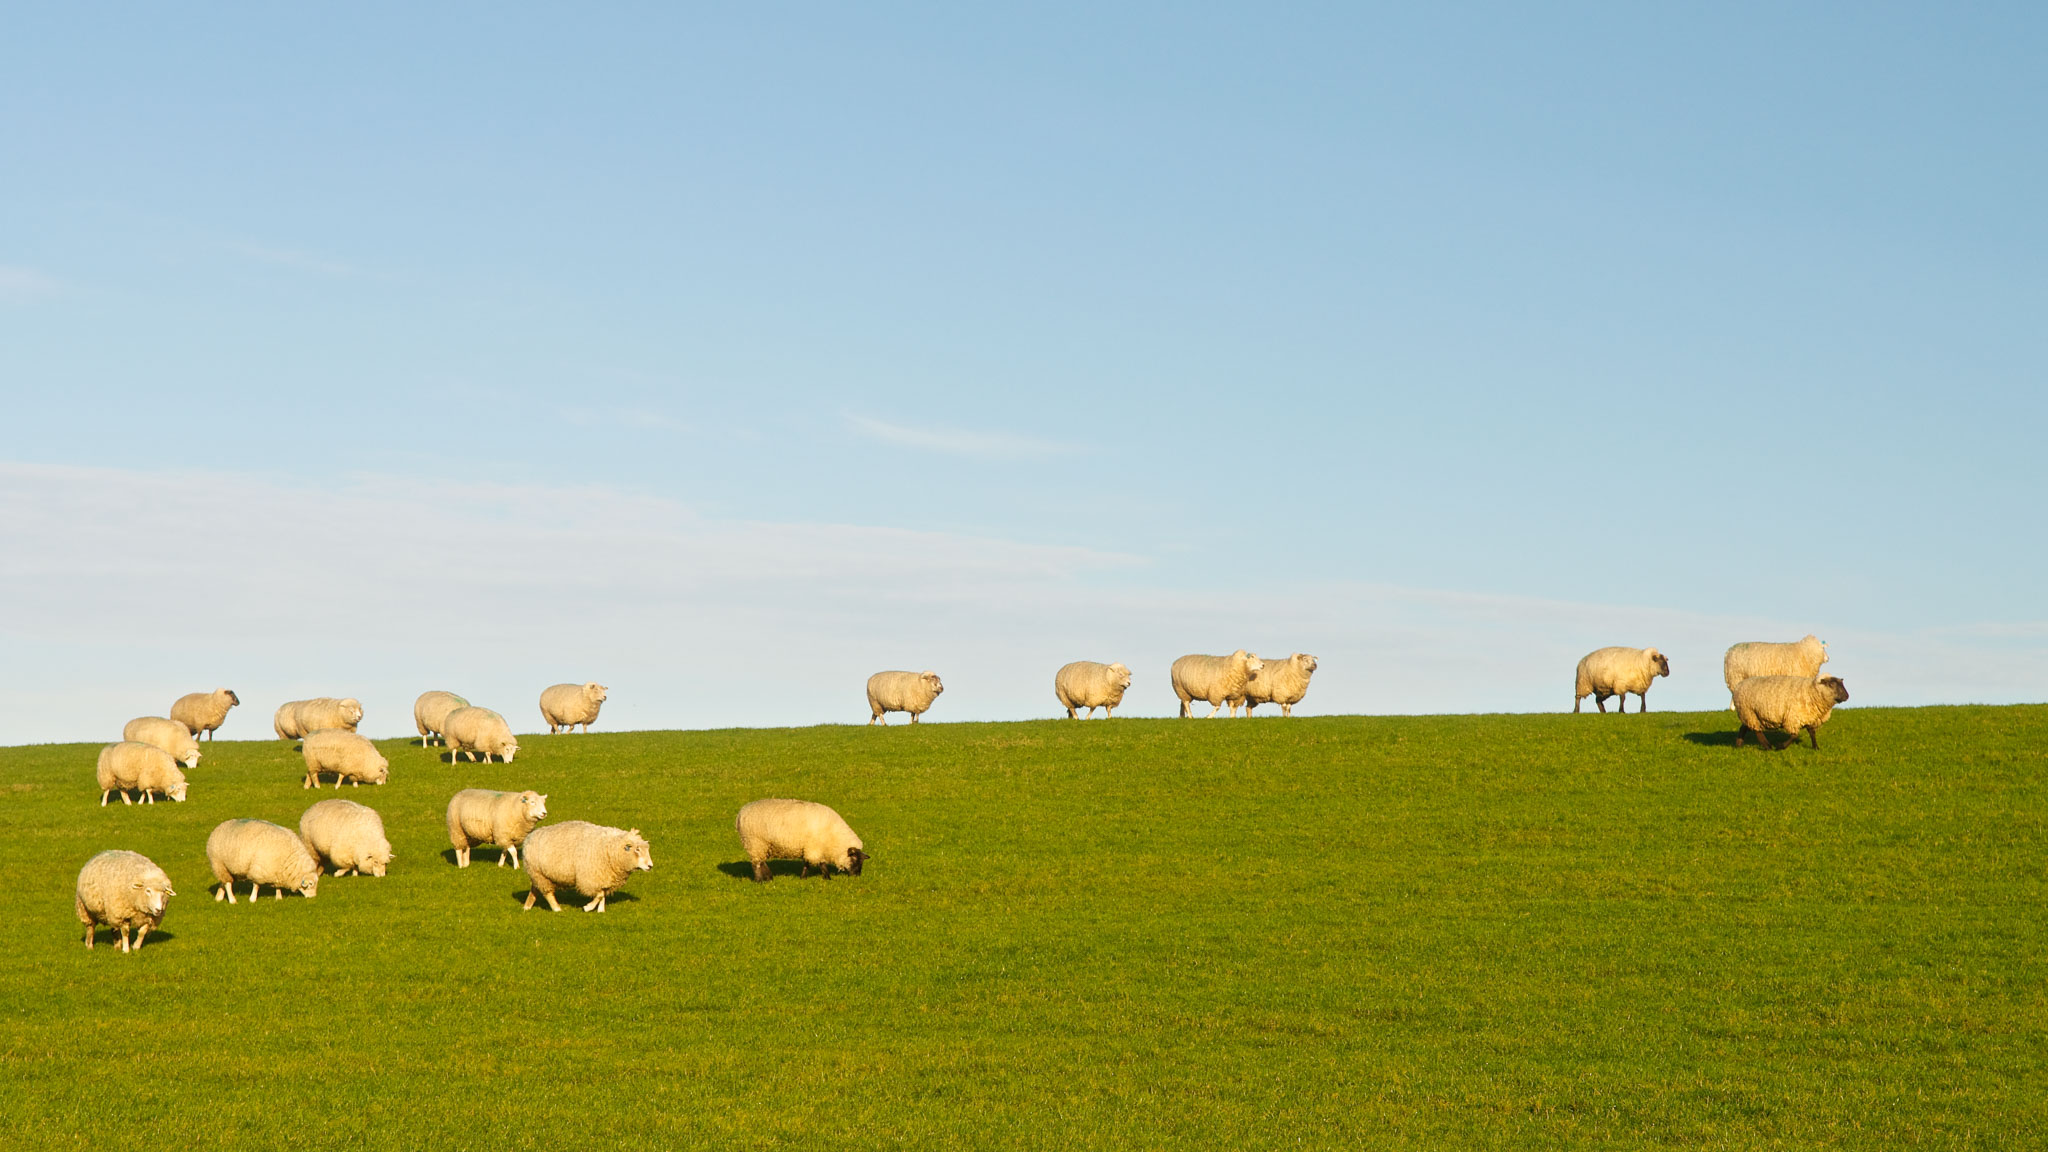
[346, 835]
[1606, 672]
[1786, 704]
[349, 756]
[564, 706]
[1218, 679]
[480, 816]
[431, 710]
[168, 735]
[911, 692]
[590, 858]
[202, 712]
[295, 718]
[261, 853]
[1759, 658]
[145, 768]
[1086, 684]
[798, 830]
[122, 890]
[478, 731]
[1282, 682]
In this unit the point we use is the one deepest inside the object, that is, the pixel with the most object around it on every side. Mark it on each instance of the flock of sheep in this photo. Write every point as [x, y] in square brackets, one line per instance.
[1772, 687]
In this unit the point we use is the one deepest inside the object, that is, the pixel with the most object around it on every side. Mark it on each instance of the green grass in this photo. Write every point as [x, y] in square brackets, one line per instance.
[1478, 931]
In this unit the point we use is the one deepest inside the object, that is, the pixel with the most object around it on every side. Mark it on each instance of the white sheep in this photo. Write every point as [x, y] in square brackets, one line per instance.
[145, 768]
[1086, 684]
[261, 853]
[431, 710]
[798, 830]
[295, 718]
[564, 706]
[506, 819]
[1218, 679]
[349, 756]
[589, 858]
[122, 890]
[1786, 704]
[911, 692]
[347, 836]
[1606, 672]
[1282, 682]
[1761, 658]
[202, 712]
[169, 735]
[475, 732]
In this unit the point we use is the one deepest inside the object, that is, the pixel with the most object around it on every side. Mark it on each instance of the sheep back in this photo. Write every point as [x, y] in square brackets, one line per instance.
[134, 766]
[169, 735]
[1786, 704]
[1282, 682]
[431, 710]
[478, 732]
[781, 829]
[1216, 679]
[261, 853]
[202, 712]
[504, 819]
[347, 836]
[1087, 684]
[123, 890]
[588, 858]
[911, 692]
[567, 705]
[347, 755]
[1762, 658]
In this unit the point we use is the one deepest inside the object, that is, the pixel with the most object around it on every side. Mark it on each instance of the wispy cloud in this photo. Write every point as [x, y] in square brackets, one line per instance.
[18, 283]
[959, 441]
[296, 259]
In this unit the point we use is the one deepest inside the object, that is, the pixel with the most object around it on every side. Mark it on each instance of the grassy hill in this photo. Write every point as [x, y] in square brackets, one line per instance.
[1471, 931]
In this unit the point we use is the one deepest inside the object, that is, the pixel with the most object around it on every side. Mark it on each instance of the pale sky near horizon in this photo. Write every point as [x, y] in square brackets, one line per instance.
[729, 354]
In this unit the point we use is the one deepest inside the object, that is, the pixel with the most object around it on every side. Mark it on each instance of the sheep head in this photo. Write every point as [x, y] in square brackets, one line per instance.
[177, 792]
[536, 804]
[595, 692]
[1835, 686]
[855, 857]
[932, 678]
[152, 893]
[1657, 658]
[234, 701]
[634, 853]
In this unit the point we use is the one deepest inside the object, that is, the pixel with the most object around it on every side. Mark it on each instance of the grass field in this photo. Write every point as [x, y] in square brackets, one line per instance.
[1473, 931]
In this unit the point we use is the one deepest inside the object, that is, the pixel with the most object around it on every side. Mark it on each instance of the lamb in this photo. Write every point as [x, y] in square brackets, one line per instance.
[145, 768]
[261, 853]
[911, 692]
[590, 858]
[1282, 682]
[295, 718]
[470, 731]
[202, 712]
[798, 830]
[1608, 672]
[431, 710]
[1217, 679]
[168, 735]
[1786, 704]
[1086, 684]
[564, 706]
[122, 890]
[1757, 658]
[346, 835]
[480, 816]
[347, 755]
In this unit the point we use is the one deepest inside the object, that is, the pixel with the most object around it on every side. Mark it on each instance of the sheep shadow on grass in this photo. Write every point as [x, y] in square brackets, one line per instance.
[479, 855]
[744, 870]
[1712, 739]
[571, 900]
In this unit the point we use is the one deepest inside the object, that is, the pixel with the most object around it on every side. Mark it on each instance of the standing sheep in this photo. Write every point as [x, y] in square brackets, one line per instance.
[798, 830]
[1282, 682]
[168, 735]
[911, 692]
[261, 853]
[347, 836]
[295, 718]
[1761, 658]
[589, 858]
[202, 712]
[1606, 672]
[564, 706]
[1786, 704]
[431, 711]
[347, 755]
[1086, 684]
[1217, 679]
[122, 890]
[145, 768]
[478, 731]
[506, 819]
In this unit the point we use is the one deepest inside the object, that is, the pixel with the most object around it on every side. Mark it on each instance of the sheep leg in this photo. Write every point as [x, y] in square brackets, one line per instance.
[148, 797]
[124, 797]
[1600, 702]
[462, 857]
[761, 872]
[596, 903]
[514, 850]
[123, 930]
[913, 717]
[1812, 733]
[104, 795]
[1286, 710]
[1644, 698]
[552, 905]
[139, 934]
[90, 929]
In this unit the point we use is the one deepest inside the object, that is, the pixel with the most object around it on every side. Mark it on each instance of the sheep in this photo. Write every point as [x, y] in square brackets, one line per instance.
[346, 835]
[480, 816]
[1786, 704]
[798, 830]
[590, 858]
[295, 718]
[1282, 682]
[564, 706]
[1218, 679]
[349, 756]
[202, 712]
[431, 710]
[1086, 684]
[145, 768]
[1801, 658]
[1606, 672]
[168, 735]
[122, 890]
[261, 853]
[470, 731]
[911, 692]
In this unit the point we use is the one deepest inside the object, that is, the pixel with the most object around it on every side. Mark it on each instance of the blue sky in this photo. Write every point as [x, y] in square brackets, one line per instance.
[492, 346]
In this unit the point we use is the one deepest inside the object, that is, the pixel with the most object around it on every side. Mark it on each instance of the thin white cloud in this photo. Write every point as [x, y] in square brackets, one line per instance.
[19, 284]
[296, 259]
[958, 441]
